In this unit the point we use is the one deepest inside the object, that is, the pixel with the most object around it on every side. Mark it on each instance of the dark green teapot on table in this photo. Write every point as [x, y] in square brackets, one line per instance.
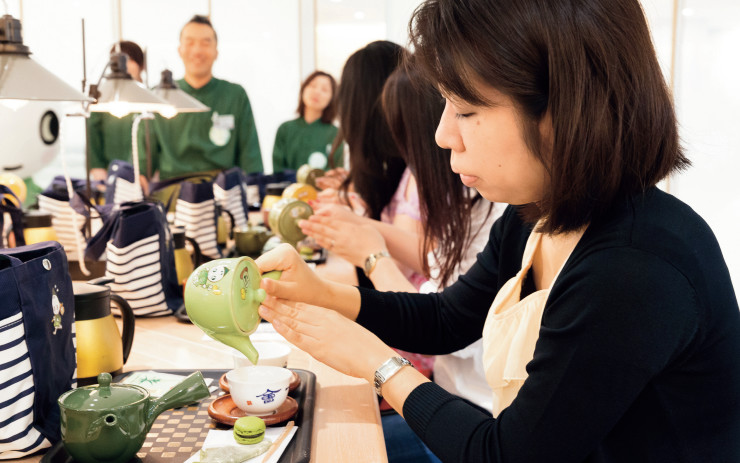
[109, 422]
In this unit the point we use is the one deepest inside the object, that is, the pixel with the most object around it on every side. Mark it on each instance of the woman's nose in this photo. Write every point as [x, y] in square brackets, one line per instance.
[448, 135]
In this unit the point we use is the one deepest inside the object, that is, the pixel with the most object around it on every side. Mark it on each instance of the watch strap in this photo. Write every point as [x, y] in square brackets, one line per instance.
[389, 368]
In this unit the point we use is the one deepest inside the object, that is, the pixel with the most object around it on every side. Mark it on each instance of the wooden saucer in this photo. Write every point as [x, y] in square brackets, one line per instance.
[225, 411]
[295, 381]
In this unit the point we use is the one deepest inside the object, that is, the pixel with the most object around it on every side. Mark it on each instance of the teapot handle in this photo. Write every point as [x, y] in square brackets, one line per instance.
[127, 315]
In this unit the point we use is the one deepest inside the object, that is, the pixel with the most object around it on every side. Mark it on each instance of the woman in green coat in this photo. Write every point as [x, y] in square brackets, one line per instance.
[308, 139]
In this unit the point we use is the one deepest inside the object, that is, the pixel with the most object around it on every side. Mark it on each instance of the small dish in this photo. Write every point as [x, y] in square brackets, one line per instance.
[225, 411]
[295, 381]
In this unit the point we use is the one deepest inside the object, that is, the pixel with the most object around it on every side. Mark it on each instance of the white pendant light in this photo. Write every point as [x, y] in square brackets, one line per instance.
[119, 94]
[21, 78]
[174, 95]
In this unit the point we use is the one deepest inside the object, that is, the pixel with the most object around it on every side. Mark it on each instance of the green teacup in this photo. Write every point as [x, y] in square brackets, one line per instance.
[222, 298]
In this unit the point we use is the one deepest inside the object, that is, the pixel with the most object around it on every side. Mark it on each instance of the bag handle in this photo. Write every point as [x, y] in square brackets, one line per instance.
[10, 203]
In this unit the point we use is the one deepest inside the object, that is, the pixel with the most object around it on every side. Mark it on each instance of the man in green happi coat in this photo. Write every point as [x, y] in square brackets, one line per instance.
[210, 141]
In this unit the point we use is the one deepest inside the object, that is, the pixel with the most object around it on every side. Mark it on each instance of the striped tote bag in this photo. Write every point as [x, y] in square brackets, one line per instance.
[230, 192]
[37, 351]
[139, 252]
[120, 186]
[68, 218]
[196, 212]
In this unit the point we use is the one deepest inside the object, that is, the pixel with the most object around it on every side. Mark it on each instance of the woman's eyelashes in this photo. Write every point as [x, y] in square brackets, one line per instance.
[463, 115]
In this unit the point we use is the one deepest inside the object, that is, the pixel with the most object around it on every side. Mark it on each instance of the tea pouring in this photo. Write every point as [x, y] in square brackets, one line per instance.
[222, 298]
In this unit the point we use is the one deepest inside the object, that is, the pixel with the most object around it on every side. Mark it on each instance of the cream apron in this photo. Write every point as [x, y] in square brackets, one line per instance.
[511, 331]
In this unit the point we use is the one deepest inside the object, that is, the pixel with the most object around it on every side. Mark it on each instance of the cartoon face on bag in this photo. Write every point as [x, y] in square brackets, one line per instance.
[58, 310]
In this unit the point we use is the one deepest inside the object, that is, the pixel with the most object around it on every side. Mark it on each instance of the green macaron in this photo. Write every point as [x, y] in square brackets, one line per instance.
[249, 430]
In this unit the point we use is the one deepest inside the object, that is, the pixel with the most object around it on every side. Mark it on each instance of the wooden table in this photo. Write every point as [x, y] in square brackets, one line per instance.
[346, 424]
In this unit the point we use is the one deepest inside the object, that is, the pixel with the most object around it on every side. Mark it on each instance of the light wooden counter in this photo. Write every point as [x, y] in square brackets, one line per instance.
[346, 424]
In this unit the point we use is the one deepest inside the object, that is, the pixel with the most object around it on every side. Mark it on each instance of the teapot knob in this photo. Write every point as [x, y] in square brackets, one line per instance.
[104, 380]
[260, 295]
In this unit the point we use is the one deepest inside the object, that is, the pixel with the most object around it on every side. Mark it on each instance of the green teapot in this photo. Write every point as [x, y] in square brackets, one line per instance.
[222, 298]
[249, 241]
[109, 422]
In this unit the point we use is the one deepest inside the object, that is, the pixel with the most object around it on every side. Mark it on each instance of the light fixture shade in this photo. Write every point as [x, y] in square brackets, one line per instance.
[119, 94]
[21, 78]
[182, 102]
[174, 95]
[123, 96]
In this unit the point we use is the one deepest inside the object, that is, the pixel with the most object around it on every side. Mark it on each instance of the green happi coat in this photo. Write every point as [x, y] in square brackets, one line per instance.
[109, 138]
[297, 140]
[221, 138]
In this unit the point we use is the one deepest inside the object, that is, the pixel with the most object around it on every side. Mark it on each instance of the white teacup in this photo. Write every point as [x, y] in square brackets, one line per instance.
[258, 389]
[270, 354]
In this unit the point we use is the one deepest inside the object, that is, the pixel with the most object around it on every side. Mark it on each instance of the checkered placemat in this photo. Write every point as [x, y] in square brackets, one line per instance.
[177, 434]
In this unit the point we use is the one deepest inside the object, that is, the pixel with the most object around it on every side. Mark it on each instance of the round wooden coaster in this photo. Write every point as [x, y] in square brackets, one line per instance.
[225, 411]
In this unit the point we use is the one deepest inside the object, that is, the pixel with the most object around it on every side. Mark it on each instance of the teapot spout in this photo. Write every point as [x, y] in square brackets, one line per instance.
[189, 390]
[240, 343]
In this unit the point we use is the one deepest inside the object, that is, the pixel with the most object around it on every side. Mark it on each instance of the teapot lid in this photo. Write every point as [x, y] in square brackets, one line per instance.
[104, 396]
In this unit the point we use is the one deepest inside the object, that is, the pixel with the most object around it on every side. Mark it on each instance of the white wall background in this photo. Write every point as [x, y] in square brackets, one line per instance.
[269, 46]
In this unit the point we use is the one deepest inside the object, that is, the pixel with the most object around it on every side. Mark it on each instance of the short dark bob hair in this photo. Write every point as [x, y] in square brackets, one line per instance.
[588, 64]
[330, 112]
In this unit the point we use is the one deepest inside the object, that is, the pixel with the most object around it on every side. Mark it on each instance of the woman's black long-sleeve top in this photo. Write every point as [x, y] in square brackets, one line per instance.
[638, 356]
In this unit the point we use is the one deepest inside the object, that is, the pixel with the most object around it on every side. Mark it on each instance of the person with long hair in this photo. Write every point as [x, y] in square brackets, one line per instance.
[456, 221]
[378, 185]
[610, 326]
[308, 139]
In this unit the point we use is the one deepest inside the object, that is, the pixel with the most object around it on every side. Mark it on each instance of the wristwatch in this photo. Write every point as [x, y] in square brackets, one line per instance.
[389, 368]
[371, 260]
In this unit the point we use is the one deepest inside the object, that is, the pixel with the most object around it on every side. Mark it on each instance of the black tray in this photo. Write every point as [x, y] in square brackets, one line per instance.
[297, 451]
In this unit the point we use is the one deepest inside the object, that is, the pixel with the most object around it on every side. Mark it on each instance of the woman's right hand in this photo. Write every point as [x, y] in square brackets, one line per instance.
[298, 282]
[332, 179]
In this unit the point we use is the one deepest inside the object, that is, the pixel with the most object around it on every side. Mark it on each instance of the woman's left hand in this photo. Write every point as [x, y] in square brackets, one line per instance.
[327, 336]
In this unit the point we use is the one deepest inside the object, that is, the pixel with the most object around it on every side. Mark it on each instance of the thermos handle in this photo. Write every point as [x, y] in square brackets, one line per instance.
[127, 315]
[197, 256]
[231, 219]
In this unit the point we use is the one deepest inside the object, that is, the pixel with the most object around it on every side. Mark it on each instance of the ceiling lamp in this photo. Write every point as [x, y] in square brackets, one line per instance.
[21, 78]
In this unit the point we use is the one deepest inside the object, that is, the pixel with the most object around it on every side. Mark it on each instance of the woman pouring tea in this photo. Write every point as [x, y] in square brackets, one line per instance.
[610, 326]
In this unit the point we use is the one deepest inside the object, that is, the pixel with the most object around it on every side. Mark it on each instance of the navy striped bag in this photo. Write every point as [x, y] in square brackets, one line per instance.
[230, 191]
[37, 351]
[120, 186]
[139, 252]
[196, 212]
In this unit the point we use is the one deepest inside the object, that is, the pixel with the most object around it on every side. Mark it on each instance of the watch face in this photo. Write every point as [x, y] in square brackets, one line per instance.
[369, 263]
